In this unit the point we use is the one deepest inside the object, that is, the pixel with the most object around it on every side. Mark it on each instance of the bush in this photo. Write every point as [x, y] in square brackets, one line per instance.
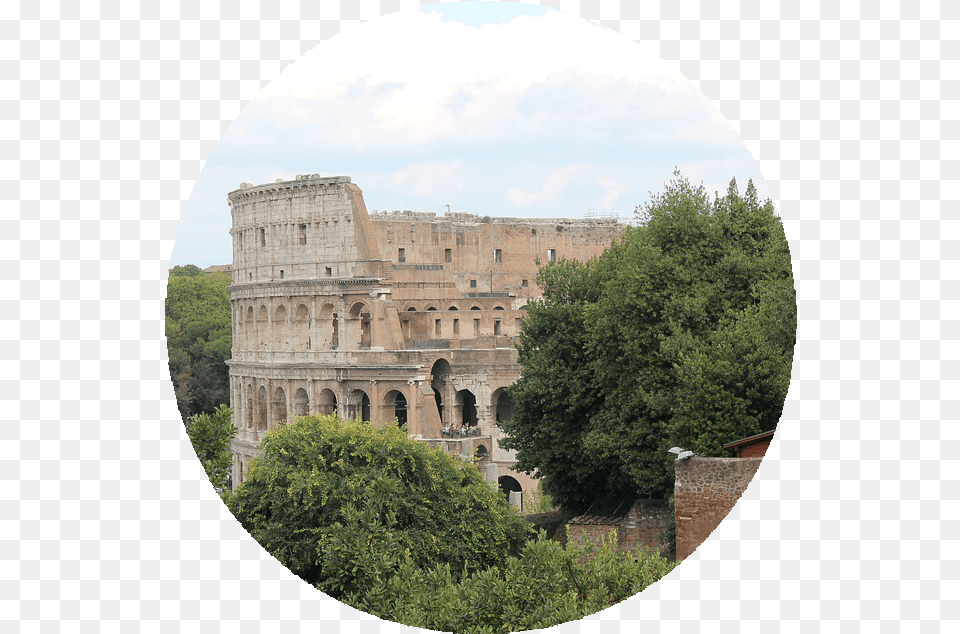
[545, 585]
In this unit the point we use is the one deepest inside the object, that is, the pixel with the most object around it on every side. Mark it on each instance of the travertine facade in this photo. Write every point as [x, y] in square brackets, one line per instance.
[384, 316]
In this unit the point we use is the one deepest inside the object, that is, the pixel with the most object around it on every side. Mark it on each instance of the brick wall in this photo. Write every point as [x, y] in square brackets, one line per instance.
[706, 490]
[592, 532]
[645, 526]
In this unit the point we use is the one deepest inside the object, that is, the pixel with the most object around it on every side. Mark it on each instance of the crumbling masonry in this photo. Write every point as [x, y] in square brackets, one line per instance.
[384, 316]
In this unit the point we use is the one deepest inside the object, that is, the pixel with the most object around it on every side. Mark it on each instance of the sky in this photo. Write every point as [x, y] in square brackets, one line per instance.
[492, 108]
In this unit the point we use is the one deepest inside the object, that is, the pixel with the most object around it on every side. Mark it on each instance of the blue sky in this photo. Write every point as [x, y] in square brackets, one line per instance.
[493, 108]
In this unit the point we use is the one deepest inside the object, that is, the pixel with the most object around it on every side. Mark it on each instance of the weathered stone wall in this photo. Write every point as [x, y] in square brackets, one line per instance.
[706, 489]
[646, 526]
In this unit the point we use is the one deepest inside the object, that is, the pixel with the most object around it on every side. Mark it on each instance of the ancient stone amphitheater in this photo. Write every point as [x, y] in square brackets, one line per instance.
[397, 316]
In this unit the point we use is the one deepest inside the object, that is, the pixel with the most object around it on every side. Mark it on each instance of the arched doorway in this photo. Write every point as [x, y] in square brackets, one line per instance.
[512, 490]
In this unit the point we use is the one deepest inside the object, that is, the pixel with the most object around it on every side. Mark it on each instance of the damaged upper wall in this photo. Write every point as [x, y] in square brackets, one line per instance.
[483, 255]
[310, 227]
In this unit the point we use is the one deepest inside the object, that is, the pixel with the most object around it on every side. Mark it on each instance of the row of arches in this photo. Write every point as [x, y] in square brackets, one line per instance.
[295, 330]
[262, 407]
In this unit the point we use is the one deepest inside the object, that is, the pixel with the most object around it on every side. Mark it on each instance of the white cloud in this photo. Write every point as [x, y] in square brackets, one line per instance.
[539, 116]
[411, 78]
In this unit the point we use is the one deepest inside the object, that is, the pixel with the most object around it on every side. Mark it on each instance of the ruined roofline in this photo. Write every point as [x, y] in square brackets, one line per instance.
[459, 217]
[301, 179]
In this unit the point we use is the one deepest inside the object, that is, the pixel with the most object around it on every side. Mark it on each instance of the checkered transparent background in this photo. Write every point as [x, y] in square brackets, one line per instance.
[106, 117]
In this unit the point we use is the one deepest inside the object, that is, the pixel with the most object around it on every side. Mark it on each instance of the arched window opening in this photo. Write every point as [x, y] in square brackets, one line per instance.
[503, 403]
[301, 328]
[263, 327]
[359, 312]
[468, 409]
[395, 407]
[279, 406]
[248, 410]
[301, 403]
[262, 409]
[440, 372]
[328, 402]
[329, 329]
[280, 340]
[358, 406]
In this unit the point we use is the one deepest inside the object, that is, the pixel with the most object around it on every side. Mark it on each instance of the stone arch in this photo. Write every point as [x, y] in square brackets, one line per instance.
[412, 309]
[360, 314]
[249, 330]
[301, 403]
[329, 327]
[279, 405]
[474, 308]
[358, 405]
[481, 456]
[441, 372]
[263, 327]
[248, 404]
[395, 407]
[431, 308]
[498, 307]
[327, 403]
[262, 408]
[511, 488]
[467, 405]
[301, 328]
[503, 406]
[453, 308]
[280, 336]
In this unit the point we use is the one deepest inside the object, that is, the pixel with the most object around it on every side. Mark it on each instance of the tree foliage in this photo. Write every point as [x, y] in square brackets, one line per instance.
[682, 333]
[210, 435]
[545, 585]
[343, 504]
[198, 338]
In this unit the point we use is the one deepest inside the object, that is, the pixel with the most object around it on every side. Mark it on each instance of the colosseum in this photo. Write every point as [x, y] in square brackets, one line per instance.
[396, 317]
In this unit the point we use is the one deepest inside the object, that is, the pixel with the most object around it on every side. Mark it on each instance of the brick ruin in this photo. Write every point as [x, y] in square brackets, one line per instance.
[385, 316]
[705, 491]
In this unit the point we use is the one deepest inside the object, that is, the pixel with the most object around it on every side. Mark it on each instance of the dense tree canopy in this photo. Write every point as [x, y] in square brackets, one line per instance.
[682, 333]
[198, 338]
[210, 435]
[343, 504]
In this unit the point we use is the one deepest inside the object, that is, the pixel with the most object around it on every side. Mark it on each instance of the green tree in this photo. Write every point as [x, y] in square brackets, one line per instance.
[682, 333]
[210, 435]
[198, 338]
[545, 585]
[343, 504]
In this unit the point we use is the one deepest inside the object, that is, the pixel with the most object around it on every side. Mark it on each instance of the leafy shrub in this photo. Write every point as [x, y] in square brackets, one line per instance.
[545, 585]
